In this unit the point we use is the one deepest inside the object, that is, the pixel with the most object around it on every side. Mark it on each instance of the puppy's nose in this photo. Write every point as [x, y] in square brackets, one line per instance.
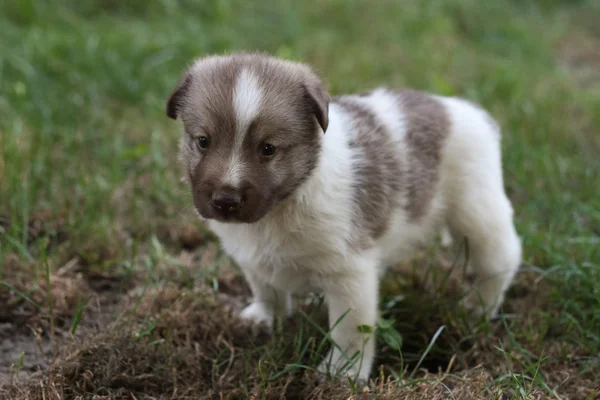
[226, 201]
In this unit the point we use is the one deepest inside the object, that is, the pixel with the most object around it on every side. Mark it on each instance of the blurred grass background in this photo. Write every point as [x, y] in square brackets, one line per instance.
[88, 165]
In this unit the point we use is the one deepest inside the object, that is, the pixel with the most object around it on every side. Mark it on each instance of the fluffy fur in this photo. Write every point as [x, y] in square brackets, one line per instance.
[356, 183]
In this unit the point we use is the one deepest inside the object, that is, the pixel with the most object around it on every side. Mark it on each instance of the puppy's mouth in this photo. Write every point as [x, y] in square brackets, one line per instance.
[230, 216]
[239, 216]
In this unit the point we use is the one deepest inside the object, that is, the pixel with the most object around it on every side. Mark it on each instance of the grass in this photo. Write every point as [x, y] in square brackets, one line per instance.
[110, 287]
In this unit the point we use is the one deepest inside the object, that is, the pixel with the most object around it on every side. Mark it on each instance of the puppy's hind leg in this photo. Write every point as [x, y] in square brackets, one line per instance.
[484, 215]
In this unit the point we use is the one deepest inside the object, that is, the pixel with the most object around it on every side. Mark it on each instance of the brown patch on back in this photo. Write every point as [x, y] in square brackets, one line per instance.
[427, 126]
[377, 169]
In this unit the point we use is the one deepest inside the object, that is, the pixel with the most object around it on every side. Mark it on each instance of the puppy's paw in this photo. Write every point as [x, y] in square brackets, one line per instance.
[258, 316]
[480, 307]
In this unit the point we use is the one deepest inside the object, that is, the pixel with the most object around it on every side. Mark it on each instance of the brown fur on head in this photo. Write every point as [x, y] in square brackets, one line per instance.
[252, 126]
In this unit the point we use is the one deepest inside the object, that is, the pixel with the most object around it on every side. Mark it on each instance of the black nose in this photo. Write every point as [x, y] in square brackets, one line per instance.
[226, 202]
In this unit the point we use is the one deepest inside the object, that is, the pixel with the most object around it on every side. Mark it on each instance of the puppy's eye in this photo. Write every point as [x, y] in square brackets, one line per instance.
[267, 149]
[202, 142]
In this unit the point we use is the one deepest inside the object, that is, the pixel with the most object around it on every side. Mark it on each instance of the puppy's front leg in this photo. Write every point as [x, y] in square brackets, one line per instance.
[267, 301]
[353, 302]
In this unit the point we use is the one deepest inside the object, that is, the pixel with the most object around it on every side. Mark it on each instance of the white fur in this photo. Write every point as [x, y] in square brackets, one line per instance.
[247, 97]
[305, 243]
[477, 204]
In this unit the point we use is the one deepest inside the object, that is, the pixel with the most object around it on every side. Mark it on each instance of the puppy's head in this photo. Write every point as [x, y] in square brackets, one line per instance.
[252, 127]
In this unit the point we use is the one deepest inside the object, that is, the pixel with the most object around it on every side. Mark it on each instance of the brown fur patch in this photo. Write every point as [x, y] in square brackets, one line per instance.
[427, 126]
[377, 170]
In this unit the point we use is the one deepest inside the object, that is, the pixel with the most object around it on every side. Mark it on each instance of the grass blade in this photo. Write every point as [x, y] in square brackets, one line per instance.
[80, 308]
[428, 349]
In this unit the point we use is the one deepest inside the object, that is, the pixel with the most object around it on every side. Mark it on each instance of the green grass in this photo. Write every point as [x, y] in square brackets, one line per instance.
[91, 204]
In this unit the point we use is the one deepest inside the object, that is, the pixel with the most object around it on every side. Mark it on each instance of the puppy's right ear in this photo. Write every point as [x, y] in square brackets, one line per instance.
[177, 97]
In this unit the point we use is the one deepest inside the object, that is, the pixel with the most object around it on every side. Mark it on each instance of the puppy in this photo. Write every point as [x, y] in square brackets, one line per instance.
[312, 193]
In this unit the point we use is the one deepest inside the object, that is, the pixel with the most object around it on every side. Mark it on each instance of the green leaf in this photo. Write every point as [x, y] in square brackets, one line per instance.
[80, 308]
[385, 324]
[393, 339]
[21, 358]
[352, 385]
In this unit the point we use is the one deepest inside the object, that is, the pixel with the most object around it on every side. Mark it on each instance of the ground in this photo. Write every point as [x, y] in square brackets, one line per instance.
[110, 288]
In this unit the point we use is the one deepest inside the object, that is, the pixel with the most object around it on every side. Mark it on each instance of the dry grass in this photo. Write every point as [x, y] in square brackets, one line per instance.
[186, 343]
[196, 349]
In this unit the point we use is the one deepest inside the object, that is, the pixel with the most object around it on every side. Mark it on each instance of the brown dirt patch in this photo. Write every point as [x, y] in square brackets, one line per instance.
[177, 341]
[36, 318]
[188, 345]
[196, 350]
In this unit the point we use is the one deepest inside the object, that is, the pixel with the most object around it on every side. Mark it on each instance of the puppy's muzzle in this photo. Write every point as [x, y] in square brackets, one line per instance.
[226, 201]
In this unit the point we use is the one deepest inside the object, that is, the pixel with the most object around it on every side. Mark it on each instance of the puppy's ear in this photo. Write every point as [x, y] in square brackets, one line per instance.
[177, 96]
[318, 101]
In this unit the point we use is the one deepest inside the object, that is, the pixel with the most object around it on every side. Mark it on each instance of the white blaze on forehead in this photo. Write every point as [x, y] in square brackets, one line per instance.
[247, 98]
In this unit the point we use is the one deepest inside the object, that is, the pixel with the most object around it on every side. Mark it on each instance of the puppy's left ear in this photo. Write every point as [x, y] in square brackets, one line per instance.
[318, 101]
[177, 96]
